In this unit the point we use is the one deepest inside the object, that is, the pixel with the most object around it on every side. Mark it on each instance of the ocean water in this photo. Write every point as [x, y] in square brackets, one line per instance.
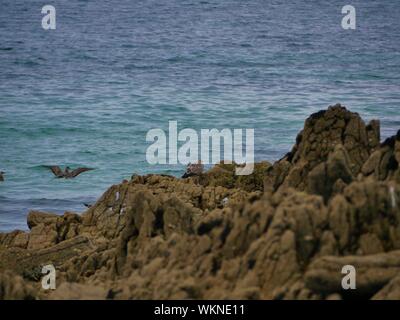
[86, 93]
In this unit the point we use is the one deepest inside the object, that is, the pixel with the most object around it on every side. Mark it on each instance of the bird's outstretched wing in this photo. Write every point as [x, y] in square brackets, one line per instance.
[78, 171]
[56, 170]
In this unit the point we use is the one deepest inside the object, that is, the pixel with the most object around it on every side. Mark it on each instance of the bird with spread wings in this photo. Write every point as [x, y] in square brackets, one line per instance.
[67, 173]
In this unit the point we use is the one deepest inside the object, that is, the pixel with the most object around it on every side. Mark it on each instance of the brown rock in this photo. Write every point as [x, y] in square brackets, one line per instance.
[281, 233]
[76, 291]
[322, 132]
[36, 218]
[373, 272]
[391, 291]
[326, 176]
[13, 287]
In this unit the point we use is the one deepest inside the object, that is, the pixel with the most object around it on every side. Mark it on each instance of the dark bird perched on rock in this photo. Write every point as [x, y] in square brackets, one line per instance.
[193, 170]
[2, 175]
[67, 174]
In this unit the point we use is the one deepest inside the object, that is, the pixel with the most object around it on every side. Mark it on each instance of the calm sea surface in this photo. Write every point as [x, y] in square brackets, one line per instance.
[86, 93]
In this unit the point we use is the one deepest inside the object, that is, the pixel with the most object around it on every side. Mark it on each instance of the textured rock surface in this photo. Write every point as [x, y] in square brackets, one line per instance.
[13, 287]
[373, 273]
[322, 132]
[283, 232]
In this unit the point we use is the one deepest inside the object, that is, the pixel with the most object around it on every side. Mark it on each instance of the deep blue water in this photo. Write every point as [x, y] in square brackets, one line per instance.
[87, 92]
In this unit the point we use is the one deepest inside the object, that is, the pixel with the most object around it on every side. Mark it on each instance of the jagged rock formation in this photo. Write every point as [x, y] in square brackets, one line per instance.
[283, 232]
[322, 132]
[383, 164]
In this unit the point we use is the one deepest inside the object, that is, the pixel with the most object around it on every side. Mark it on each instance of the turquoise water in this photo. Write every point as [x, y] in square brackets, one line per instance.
[86, 93]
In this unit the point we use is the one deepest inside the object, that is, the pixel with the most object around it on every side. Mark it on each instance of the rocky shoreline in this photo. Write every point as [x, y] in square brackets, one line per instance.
[283, 232]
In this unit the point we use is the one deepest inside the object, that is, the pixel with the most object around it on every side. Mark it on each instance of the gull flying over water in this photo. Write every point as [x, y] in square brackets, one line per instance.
[67, 173]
